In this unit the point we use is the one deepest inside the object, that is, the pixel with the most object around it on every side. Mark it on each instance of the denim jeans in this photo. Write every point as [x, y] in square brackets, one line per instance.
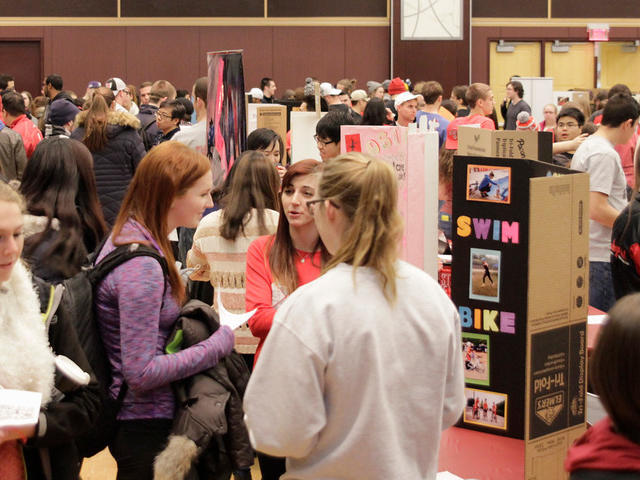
[601, 294]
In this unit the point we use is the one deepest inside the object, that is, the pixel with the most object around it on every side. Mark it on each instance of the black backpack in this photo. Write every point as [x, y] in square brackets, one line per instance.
[78, 302]
[148, 139]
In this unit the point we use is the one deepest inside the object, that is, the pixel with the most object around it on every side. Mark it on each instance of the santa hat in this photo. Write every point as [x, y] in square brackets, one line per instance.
[526, 122]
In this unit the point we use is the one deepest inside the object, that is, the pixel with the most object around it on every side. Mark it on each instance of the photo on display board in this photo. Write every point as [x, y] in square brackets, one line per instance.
[487, 183]
[475, 354]
[488, 409]
[484, 274]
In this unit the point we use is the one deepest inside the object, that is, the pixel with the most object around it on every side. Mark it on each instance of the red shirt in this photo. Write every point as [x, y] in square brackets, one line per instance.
[452, 129]
[30, 134]
[261, 291]
[627, 152]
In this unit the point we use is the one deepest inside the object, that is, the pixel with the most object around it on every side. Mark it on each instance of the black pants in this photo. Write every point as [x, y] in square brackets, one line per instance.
[136, 445]
[271, 467]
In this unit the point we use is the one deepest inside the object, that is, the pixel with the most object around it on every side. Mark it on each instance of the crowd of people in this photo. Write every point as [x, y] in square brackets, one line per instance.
[310, 248]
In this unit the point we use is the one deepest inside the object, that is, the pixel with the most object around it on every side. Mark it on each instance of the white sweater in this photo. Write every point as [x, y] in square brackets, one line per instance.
[349, 386]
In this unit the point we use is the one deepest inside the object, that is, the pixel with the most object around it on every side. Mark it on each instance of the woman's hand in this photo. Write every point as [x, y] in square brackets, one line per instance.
[281, 170]
[16, 433]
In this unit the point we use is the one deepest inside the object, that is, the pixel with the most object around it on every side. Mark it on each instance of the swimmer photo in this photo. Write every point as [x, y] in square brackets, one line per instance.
[487, 183]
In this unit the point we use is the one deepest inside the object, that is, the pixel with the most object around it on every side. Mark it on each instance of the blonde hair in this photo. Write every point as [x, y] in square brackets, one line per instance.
[9, 194]
[366, 191]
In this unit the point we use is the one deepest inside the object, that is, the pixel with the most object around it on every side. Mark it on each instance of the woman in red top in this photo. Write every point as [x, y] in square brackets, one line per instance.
[278, 264]
[611, 447]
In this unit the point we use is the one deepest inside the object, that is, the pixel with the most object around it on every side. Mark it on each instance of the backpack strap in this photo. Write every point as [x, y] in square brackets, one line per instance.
[146, 139]
[55, 297]
[114, 259]
[123, 254]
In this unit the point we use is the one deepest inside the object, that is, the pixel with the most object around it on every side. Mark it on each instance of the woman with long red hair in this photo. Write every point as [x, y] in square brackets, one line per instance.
[137, 306]
[278, 264]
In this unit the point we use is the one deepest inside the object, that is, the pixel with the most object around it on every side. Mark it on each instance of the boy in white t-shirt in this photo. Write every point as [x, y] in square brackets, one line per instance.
[607, 190]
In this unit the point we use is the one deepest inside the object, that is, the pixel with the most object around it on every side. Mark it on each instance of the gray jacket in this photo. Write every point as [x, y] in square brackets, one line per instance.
[13, 157]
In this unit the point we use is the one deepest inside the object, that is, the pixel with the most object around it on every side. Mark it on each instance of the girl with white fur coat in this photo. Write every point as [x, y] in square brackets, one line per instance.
[27, 362]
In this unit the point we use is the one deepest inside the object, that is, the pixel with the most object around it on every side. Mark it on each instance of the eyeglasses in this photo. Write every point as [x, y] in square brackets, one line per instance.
[162, 114]
[319, 141]
[311, 203]
[128, 92]
[568, 125]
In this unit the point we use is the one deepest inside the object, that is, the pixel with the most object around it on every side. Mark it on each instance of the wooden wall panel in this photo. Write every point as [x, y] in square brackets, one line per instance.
[82, 54]
[444, 61]
[314, 51]
[192, 8]
[596, 9]
[58, 8]
[367, 51]
[27, 72]
[513, 8]
[178, 54]
[176, 46]
[327, 8]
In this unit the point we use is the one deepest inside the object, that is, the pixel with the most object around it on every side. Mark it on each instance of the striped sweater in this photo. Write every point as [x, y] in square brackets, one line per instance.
[222, 262]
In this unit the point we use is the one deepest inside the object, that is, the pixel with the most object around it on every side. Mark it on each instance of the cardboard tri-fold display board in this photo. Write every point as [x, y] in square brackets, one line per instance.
[520, 282]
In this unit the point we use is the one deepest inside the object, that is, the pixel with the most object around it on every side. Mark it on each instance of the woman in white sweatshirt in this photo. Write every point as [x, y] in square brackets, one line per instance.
[362, 368]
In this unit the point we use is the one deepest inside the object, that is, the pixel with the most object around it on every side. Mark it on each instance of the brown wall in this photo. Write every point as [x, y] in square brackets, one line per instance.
[444, 61]
[178, 54]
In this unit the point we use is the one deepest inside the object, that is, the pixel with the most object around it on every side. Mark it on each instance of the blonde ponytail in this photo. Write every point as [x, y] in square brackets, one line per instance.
[366, 191]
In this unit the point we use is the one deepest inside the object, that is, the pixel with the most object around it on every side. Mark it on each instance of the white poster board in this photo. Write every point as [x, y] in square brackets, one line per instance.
[303, 128]
[538, 92]
[413, 154]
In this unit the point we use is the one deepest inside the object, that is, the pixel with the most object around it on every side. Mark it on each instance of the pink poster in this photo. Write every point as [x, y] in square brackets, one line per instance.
[406, 154]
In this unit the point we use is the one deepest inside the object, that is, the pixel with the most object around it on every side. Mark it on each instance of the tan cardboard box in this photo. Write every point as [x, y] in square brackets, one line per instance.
[521, 144]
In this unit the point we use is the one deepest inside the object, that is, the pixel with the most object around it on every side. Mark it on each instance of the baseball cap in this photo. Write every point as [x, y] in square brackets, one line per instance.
[327, 89]
[94, 84]
[404, 97]
[358, 95]
[256, 93]
[116, 84]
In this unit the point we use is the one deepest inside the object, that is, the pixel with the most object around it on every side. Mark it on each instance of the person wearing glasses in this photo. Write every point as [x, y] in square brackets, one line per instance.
[113, 140]
[362, 370]
[168, 118]
[568, 124]
[327, 135]
[278, 264]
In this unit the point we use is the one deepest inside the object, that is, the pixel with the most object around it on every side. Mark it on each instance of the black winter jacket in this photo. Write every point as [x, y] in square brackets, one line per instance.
[70, 417]
[209, 423]
[116, 163]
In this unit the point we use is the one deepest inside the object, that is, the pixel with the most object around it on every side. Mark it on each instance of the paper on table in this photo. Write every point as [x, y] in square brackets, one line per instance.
[232, 320]
[596, 319]
[447, 476]
[19, 408]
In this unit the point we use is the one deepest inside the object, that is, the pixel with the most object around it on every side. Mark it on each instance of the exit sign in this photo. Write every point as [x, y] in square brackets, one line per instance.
[598, 32]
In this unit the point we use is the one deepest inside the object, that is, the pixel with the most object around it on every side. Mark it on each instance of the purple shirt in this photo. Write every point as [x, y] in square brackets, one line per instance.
[136, 313]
